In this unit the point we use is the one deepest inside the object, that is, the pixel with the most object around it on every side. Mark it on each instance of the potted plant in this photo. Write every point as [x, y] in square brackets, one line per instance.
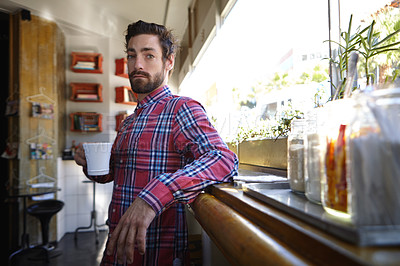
[266, 144]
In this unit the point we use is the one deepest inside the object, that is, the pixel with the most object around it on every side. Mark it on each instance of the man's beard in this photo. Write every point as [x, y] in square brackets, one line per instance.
[141, 85]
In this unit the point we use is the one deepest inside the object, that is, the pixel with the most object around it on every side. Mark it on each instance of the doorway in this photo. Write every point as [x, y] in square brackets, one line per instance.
[4, 93]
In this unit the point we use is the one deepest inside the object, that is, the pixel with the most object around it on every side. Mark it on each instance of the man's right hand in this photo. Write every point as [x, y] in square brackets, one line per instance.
[79, 156]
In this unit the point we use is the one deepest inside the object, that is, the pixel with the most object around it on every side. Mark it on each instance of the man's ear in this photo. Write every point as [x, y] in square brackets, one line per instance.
[170, 62]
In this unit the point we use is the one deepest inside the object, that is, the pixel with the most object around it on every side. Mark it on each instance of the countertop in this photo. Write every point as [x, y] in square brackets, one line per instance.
[249, 231]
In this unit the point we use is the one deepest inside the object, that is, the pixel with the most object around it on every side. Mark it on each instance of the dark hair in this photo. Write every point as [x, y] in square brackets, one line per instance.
[169, 43]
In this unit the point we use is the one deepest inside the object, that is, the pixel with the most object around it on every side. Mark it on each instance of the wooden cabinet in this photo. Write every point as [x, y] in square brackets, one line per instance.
[86, 122]
[121, 67]
[86, 62]
[86, 92]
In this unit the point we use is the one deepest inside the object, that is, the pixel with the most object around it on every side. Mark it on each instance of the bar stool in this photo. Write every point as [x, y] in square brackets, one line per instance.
[93, 217]
[44, 211]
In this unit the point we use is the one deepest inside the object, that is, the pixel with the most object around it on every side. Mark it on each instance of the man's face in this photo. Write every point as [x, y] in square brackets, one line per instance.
[146, 68]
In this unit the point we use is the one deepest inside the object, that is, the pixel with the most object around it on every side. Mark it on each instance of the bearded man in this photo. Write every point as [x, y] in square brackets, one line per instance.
[164, 155]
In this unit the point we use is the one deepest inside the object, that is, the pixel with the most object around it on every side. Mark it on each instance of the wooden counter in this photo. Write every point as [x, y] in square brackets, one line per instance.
[250, 232]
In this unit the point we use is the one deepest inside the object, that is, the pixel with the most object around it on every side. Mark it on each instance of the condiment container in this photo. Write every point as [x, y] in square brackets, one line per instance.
[296, 156]
[374, 159]
[312, 158]
[336, 116]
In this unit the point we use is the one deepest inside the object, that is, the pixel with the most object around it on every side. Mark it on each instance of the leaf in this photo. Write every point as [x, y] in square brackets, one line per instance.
[370, 33]
[386, 46]
[396, 26]
[389, 36]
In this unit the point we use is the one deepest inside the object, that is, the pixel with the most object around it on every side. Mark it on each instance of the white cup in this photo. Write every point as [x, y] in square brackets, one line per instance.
[98, 157]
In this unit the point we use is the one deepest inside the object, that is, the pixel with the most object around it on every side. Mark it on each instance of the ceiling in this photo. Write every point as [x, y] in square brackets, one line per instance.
[172, 13]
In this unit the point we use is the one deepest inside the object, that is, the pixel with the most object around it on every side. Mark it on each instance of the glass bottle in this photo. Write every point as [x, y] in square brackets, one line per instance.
[312, 158]
[334, 188]
[296, 156]
[374, 159]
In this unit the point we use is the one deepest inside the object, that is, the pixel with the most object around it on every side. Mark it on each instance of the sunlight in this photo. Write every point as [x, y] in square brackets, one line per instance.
[262, 40]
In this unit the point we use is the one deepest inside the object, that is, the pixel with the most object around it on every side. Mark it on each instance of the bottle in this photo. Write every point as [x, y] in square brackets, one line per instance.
[296, 156]
[334, 187]
[312, 158]
[73, 148]
[374, 159]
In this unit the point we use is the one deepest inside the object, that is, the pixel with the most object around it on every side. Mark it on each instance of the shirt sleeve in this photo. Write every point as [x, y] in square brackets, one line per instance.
[209, 161]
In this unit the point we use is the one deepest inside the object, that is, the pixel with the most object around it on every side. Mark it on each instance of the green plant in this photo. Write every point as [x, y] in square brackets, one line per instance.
[351, 44]
[267, 129]
[372, 46]
[283, 126]
[366, 42]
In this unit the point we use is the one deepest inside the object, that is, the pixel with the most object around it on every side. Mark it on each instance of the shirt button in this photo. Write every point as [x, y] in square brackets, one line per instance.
[113, 210]
[121, 161]
[116, 185]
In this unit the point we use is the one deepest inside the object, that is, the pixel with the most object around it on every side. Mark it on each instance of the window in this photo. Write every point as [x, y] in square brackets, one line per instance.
[268, 52]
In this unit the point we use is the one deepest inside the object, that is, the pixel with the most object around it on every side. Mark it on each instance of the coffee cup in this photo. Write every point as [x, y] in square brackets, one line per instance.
[97, 157]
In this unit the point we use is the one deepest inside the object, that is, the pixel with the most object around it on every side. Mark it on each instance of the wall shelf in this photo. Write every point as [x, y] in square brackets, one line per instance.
[125, 95]
[119, 118]
[86, 122]
[86, 62]
[121, 67]
[86, 92]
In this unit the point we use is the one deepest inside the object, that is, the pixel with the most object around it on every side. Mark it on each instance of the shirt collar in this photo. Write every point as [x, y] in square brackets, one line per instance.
[155, 96]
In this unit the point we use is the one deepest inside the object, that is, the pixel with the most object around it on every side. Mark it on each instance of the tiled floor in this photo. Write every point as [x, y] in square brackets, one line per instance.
[83, 251]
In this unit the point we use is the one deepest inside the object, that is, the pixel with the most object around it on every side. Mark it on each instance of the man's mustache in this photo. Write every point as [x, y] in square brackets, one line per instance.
[147, 75]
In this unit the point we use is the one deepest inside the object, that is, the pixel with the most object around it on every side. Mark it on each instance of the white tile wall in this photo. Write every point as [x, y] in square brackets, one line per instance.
[78, 199]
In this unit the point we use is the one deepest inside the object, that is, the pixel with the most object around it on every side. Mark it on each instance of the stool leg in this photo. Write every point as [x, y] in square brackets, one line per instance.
[45, 231]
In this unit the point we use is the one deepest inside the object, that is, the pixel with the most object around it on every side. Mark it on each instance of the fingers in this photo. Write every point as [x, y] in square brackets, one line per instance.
[130, 245]
[123, 239]
[121, 245]
[141, 240]
[131, 230]
[79, 156]
[113, 240]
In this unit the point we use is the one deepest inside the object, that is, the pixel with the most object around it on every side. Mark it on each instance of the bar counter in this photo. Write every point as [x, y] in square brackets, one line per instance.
[251, 232]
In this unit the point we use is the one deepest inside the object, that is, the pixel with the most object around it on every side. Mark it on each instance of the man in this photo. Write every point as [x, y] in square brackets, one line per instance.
[164, 155]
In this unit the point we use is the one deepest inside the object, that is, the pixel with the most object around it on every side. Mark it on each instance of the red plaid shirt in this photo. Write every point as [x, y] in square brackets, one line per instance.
[166, 153]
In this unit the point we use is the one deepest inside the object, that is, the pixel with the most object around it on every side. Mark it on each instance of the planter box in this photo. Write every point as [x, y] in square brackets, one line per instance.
[233, 148]
[266, 153]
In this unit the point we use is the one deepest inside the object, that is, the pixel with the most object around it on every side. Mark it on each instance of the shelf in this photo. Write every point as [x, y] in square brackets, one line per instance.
[121, 67]
[118, 119]
[86, 62]
[86, 122]
[125, 95]
[86, 92]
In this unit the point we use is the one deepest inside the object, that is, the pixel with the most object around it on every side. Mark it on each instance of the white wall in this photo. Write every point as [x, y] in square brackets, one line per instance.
[78, 196]
[111, 49]
[78, 199]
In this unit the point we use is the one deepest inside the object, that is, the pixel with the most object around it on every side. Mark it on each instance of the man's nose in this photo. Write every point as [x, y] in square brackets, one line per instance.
[138, 63]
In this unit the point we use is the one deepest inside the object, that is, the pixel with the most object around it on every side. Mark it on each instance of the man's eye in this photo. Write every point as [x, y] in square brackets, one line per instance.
[130, 56]
[150, 56]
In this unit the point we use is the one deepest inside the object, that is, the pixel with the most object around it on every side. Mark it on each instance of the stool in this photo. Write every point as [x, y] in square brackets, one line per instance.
[93, 216]
[44, 210]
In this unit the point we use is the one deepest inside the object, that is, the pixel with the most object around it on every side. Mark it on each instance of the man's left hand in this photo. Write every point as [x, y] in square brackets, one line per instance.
[131, 229]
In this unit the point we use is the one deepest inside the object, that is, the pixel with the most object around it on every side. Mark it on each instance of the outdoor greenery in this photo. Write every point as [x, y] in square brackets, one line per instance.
[378, 46]
[370, 42]
[269, 129]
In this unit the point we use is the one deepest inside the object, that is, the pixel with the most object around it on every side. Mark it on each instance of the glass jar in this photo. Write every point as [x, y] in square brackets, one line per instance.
[312, 158]
[333, 143]
[296, 156]
[374, 159]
